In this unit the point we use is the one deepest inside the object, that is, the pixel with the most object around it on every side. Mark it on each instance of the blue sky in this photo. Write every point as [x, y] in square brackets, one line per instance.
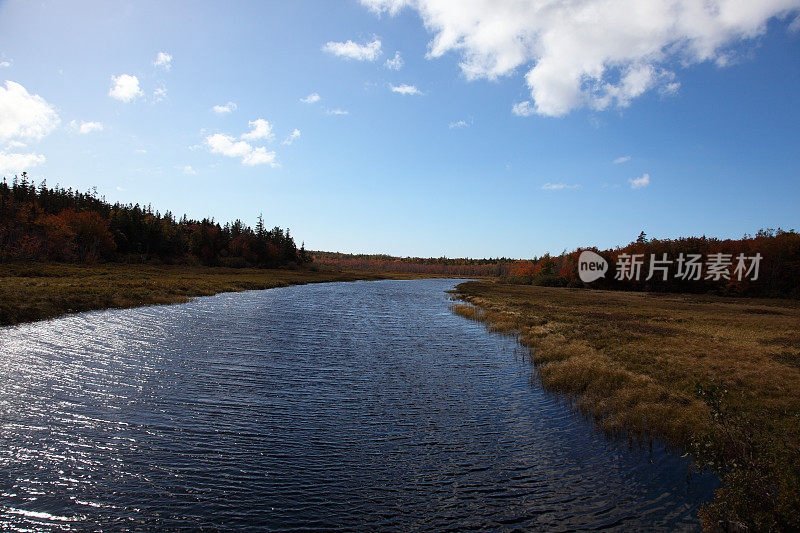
[506, 147]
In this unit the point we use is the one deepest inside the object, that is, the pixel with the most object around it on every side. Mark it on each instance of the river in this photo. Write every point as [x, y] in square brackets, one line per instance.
[365, 405]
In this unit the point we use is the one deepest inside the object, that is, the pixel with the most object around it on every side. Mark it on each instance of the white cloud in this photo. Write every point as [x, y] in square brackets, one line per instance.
[223, 109]
[623, 159]
[588, 53]
[5, 64]
[352, 50]
[88, 127]
[559, 186]
[260, 156]
[125, 88]
[24, 115]
[16, 163]
[292, 137]
[189, 171]
[523, 109]
[639, 183]
[405, 89]
[460, 124]
[394, 63]
[159, 94]
[85, 127]
[163, 60]
[228, 146]
[311, 98]
[140, 151]
[260, 129]
[337, 112]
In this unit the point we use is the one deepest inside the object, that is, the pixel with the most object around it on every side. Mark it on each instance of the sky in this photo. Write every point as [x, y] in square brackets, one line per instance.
[480, 128]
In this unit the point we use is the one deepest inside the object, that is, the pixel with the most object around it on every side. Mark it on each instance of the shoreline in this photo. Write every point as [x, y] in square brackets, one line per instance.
[34, 291]
[713, 376]
[252, 375]
[717, 377]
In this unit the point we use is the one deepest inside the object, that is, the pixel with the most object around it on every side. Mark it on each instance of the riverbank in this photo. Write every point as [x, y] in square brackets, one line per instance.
[717, 377]
[37, 291]
[331, 406]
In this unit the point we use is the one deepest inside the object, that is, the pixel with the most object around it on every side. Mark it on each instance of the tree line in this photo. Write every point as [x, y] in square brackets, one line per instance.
[776, 274]
[38, 222]
[418, 265]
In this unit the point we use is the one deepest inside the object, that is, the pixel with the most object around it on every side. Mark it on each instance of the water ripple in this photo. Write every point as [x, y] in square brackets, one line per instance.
[363, 405]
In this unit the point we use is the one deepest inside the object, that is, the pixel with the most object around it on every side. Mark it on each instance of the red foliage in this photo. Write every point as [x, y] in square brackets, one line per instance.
[778, 273]
[92, 240]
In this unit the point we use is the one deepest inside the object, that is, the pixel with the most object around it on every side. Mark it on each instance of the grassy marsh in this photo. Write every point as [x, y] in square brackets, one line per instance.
[718, 377]
[35, 291]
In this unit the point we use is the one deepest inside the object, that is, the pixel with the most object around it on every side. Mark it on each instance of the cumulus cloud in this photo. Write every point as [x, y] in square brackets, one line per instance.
[641, 182]
[588, 53]
[86, 127]
[163, 60]
[623, 159]
[260, 156]
[523, 109]
[405, 89]
[292, 137]
[394, 63]
[312, 98]
[559, 186]
[15, 163]
[125, 88]
[259, 129]
[189, 171]
[228, 146]
[223, 109]
[352, 50]
[24, 115]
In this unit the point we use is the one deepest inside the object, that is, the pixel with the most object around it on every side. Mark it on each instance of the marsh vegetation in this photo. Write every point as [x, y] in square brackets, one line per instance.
[717, 377]
[34, 291]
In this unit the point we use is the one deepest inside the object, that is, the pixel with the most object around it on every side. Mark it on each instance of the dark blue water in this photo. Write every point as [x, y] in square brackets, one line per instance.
[362, 405]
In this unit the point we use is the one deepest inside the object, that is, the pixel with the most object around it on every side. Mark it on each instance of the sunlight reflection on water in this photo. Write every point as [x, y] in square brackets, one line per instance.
[363, 405]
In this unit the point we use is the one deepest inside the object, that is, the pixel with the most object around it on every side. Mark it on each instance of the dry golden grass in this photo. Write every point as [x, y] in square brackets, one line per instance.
[719, 377]
[35, 291]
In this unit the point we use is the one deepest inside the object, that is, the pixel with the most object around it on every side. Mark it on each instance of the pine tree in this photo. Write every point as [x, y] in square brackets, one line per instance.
[260, 231]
